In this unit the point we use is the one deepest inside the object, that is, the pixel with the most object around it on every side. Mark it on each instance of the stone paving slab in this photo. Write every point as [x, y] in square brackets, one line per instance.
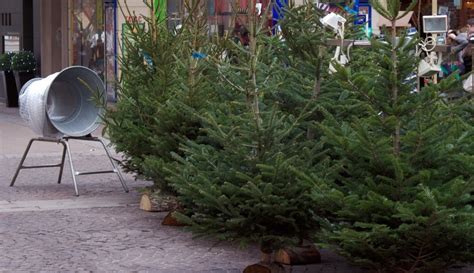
[103, 230]
[108, 239]
[121, 240]
[39, 184]
[74, 203]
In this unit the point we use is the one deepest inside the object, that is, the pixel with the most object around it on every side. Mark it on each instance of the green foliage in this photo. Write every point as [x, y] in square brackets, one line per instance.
[247, 183]
[6, 61]
[261, 144]
[23, 61]
[402, 201]
[307, 57]
[236, 193]
[159, 92]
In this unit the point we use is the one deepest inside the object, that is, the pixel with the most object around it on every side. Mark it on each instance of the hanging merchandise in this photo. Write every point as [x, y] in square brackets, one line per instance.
[429, 65]
[336, 23]
[340, 58]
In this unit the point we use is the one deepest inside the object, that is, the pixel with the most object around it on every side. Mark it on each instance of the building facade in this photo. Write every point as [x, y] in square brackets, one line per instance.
[62, 33]
[17, 25]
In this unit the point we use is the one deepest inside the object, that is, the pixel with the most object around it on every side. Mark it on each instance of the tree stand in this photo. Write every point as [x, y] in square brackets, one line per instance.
[66, 149]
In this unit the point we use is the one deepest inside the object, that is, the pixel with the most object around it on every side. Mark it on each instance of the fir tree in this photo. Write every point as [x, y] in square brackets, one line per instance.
[308, 57]
[403, 199]
[241, 185]
[160, 89]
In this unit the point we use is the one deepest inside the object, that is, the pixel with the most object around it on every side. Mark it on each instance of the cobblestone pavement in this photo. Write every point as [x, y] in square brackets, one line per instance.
[45, 228]
[120, 238]
[117, 238]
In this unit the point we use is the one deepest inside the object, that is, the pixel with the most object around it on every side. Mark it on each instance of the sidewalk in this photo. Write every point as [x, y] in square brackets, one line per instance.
[44, 227]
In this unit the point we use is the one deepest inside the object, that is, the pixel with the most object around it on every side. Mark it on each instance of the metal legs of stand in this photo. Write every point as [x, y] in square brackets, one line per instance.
[66, 149]
[60, 165]
[74, 173]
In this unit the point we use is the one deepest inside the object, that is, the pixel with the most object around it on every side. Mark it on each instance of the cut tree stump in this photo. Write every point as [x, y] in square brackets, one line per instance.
[264, 268]
[298, 255]
[170, 220]
[146, 204]
[158, 202]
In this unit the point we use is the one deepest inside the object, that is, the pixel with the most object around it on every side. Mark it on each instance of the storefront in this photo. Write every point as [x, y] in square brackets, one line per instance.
[89, 32]
[458, 11]
[16, 25]
[79, 32]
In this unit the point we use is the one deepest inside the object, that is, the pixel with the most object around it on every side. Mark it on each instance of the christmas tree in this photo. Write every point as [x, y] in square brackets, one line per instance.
[403, 199]
[160, 90]
[241, 184]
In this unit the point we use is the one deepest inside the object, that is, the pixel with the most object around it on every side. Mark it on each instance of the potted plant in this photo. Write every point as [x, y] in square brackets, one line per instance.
[24, 67]
[8, 91]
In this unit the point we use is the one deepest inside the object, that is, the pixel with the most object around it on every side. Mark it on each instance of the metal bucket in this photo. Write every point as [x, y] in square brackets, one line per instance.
[63, 103]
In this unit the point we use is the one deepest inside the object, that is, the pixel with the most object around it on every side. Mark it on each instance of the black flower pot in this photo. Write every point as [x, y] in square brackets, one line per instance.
[21, 77]
[8, 89]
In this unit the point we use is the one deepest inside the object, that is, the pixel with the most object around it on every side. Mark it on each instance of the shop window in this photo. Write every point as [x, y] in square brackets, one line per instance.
[6, 19]
[92, 36]
[88, 35]
[11, 43]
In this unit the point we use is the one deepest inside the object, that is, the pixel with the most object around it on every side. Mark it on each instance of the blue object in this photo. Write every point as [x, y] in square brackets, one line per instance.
[354, 10]
[148, 59]
[199, 55]
[412, 31]
[356, 5]
[364, 17]
[349, 10]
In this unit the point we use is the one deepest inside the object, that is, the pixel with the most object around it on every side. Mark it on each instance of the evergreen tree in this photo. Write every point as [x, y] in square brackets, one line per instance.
[403, 199]
[160, 89]
[241, 185]
[308, 56]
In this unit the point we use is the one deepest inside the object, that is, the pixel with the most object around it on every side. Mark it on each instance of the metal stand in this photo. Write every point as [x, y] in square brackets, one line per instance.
[66, 149]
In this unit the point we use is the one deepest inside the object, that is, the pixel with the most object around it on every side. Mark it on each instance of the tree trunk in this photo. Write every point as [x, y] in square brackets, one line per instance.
[146, 204]
[264, 268]
[396, 137]
[170, 220]
[298, 255]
